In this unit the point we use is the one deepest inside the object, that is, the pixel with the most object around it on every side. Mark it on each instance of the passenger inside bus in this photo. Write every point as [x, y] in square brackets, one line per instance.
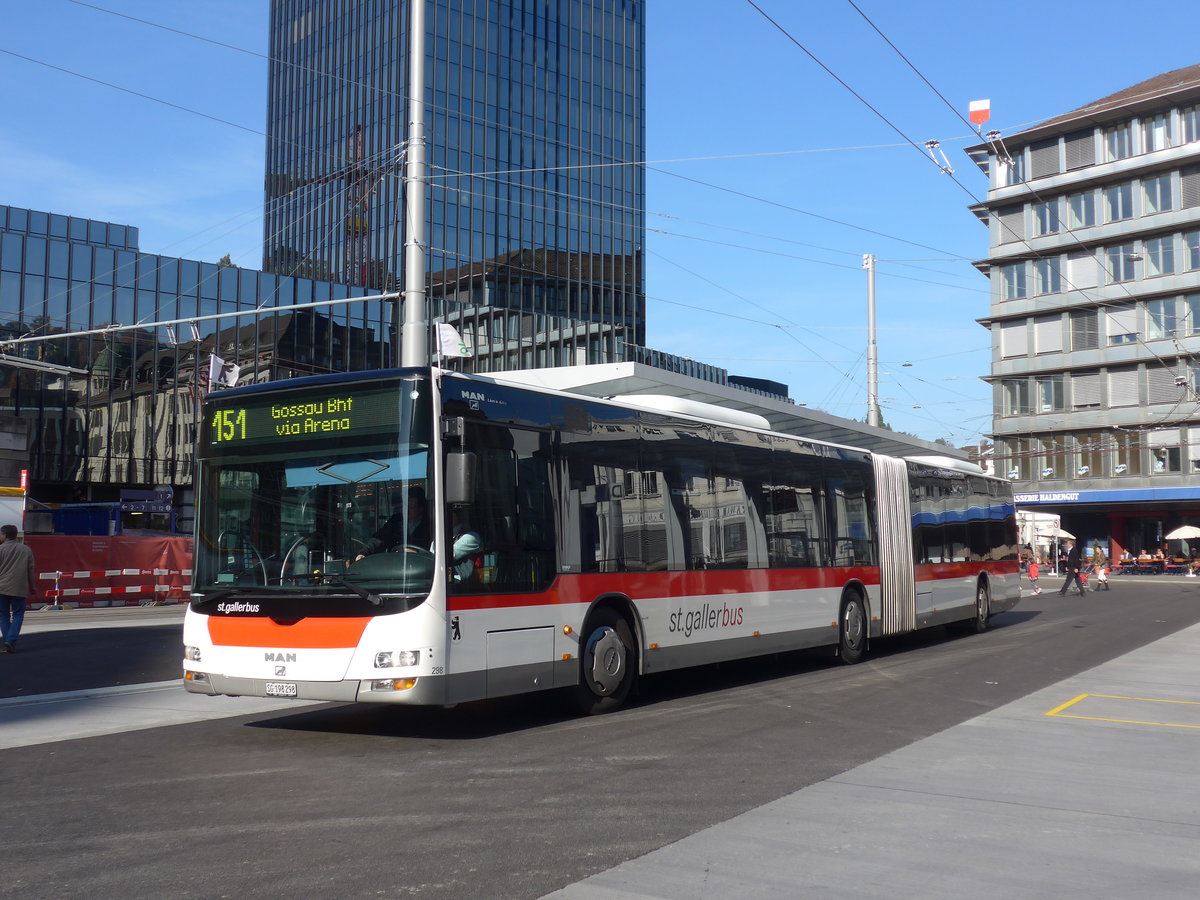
[465, 546]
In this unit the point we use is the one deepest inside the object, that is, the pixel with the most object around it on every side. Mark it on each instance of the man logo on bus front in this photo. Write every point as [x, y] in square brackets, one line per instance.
[455, 635]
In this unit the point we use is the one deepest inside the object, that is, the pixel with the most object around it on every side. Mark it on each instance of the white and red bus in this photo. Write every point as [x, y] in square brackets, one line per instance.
[597, 540]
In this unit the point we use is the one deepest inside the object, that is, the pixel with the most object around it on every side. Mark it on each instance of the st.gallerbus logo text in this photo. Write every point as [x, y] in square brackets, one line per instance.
[704, 618]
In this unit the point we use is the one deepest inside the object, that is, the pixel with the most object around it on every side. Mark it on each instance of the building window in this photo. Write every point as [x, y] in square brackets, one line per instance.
[1127, 453]
[1013, 279]
[1085, 329]
[1054, 456]
[1118, 142]
[1082, 209]
[1085, 391]
[1045, 217]
[1118, 202]
[1157, 195]
[1164, 384]
[1014, 339]
[1010, 223]
[1047, 334]
[1049, 278]
[1157, 133]
[1050, 393]
[1160, 319]
[1016, 397]
[1123, 387]
[1080, 149]
[1159, 254]
[1089, 454]
[1191, 324]
[1017, 463]
[1083, 269]
[1121, 324]
[1119, 260]
[1166, 460]
[1012, 171]
[1190, 120]
[1191, 249]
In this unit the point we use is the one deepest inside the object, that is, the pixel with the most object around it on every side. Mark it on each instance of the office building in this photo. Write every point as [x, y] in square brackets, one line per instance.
[535, 134]
[1094, 263]
[109, 408]
[92, 413]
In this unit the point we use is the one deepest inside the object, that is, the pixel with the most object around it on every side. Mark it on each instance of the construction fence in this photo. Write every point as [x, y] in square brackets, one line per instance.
[94, 571]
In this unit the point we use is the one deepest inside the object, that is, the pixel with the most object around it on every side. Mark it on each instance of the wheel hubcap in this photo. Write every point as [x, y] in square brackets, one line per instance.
[853, 624]
[608, 660]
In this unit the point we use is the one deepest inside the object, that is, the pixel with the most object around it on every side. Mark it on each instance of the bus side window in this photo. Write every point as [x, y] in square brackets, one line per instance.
[849, 511]
[512, 512]
[795, 517]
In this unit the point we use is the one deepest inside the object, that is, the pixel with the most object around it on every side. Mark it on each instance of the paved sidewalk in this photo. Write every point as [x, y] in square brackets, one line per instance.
[1087, 789]
[65, 716]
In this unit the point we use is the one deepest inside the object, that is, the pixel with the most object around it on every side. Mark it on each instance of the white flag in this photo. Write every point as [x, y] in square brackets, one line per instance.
[450, 342]
[221, 373]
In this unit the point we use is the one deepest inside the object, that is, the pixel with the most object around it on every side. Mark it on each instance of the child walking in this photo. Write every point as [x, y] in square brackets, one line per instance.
[1033, 575]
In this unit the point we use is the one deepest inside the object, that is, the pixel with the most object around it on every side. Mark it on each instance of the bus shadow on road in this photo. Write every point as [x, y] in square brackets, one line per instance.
[485, 719]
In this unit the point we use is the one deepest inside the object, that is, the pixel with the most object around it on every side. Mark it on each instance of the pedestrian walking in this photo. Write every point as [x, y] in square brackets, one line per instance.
[16, 585]
[1101, 564]
[1073, 567]
[1033, 574]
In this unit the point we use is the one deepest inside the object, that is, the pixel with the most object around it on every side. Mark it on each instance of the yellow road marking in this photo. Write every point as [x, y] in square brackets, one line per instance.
[1058, 710]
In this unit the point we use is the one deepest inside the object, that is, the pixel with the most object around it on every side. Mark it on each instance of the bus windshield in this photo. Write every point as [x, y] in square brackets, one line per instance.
[317, 492]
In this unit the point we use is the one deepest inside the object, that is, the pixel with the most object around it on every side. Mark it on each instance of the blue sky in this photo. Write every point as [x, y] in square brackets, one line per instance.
[752, 147]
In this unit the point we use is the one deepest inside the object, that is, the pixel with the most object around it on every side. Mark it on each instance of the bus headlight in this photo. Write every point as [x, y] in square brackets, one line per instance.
[390, 659]
[191, 654]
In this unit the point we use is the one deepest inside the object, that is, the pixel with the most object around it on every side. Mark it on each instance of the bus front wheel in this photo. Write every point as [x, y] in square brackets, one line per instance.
[608, 662]
[852, 629]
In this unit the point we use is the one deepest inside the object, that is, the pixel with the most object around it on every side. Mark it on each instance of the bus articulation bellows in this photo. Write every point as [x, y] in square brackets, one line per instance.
[419, 536]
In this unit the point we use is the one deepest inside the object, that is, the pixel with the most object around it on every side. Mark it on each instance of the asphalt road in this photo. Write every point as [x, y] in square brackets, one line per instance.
[498, 799]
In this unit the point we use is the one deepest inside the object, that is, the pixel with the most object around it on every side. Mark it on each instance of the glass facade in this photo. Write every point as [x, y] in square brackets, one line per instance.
[534, 118]
[111, 410]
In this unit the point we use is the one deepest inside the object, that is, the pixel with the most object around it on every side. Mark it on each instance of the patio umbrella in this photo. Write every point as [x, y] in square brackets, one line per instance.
[1065, 535]
[1183, 533]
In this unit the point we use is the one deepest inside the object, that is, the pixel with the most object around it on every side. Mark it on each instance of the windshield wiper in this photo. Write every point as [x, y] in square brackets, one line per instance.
[361, 591]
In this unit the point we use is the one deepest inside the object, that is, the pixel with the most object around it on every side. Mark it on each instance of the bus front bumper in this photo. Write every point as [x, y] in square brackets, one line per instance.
[422, 692]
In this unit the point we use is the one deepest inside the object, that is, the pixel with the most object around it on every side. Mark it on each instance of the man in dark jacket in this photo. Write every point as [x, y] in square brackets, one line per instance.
[1073, 566]
[16, 585]
[407, 526]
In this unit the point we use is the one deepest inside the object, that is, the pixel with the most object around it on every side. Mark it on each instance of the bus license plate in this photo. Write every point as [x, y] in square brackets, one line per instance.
[281, 689]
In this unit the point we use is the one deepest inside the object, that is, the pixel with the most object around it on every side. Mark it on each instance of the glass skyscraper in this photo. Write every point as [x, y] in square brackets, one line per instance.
[534, 126]
[111, 407]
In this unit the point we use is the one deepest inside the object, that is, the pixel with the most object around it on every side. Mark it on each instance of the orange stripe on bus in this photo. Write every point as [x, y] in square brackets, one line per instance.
[306, 634]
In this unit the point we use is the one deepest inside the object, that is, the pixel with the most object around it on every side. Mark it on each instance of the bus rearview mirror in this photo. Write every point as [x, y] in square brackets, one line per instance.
[460, 478]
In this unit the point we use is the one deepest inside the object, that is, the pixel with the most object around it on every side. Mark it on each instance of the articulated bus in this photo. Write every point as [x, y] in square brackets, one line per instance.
[419, 536]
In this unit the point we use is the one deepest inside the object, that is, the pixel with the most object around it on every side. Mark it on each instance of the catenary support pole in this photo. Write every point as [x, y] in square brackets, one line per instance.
[873, 417]
[414, 334]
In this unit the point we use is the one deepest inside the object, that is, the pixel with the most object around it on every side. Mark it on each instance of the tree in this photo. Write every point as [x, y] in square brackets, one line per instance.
[225, 262]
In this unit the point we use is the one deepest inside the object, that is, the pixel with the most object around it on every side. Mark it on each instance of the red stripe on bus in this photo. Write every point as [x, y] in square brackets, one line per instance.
[944, 571]
[649, 585]
[306, 634]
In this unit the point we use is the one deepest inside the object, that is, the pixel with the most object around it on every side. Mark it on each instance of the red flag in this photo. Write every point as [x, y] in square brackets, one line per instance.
[981, 111]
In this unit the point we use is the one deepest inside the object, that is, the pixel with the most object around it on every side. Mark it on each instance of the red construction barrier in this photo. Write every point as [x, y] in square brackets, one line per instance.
[84, 571]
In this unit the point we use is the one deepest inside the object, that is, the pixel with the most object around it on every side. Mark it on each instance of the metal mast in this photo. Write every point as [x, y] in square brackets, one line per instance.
[873, 417]
[414, 334]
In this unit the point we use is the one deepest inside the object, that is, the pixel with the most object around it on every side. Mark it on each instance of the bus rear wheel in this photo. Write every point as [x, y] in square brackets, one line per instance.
[608, 663]
[979, 622]
[852, 629]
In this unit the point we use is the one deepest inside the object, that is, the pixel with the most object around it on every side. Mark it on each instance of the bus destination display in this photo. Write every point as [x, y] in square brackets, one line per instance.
[285, 419]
